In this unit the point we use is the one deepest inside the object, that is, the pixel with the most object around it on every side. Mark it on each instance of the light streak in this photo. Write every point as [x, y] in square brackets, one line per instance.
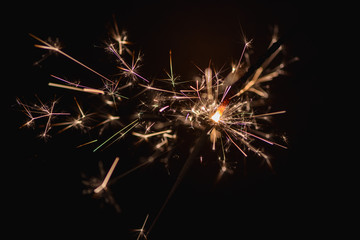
[242, 151]
[157, 89]
[107, 177]
[208, 78]
[163, 108]
[48, 46]
[142, 229]
[146, 136]
[87, 90]
[269, 114]
[122, 131]
[170, 75]
[109, 119]
[87, 143]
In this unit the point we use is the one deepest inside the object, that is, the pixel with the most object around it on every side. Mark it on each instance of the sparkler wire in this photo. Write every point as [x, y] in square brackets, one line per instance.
[189, 161]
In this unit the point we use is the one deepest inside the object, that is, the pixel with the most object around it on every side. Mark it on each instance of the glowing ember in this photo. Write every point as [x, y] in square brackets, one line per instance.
[216, 116]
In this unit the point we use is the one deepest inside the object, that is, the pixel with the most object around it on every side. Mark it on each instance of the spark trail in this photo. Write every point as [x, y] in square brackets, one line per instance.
[50, 47]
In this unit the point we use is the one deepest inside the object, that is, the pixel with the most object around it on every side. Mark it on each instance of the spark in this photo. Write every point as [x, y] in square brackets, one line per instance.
[235, 144]
[146, 136]
[165, 135]
[197, 89]
[87, 143]
[88, 90]
[262, 139]
[75, 87]
[251, 83]
[121, 39]
[223, 169]
[129, 70]
[214, 135]
[107, 177]
[95, 182]
[42, 111]
[149, 160]
[247, 44]
[141, 230]
[109, 119]
[269, 114]
[208, 78]
[47, 126]
[157, 89]
[48, 46]
[163, 108]
[76, 122]
[170, 75]
[122, 131]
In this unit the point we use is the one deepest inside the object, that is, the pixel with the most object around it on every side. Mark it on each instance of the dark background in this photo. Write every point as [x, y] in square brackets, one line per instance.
[45, 177]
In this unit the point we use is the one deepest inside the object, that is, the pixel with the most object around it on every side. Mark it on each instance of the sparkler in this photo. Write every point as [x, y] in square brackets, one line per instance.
[218, 104]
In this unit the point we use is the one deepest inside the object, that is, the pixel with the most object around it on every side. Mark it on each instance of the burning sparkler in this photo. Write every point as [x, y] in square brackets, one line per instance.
[220, 104]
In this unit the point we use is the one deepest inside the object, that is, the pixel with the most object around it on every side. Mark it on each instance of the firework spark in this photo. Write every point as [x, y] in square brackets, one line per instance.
[99, 187]
[36, 112]
[103, 185]
[141, 230]
[55, 48]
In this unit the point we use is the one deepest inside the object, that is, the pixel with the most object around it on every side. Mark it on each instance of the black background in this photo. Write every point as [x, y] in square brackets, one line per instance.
[44, 178]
